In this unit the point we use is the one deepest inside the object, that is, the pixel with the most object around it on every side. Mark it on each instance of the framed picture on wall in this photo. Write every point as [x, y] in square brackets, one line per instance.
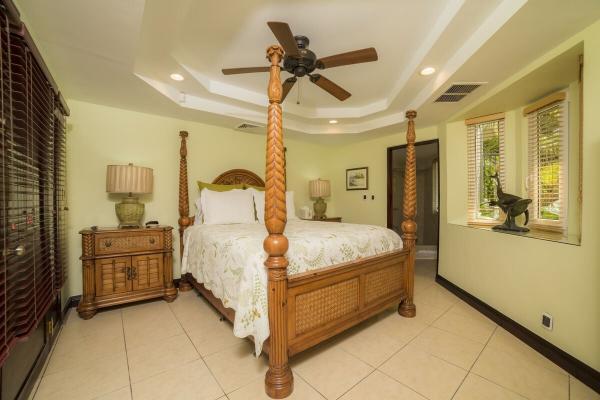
[357, 178]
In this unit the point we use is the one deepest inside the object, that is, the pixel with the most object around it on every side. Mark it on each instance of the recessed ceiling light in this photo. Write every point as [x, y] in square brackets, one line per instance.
[177, 77]
[333, 121]
[427, 71]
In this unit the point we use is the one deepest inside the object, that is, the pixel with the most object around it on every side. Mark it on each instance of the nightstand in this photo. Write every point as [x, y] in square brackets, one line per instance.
[329, 219]
[125, 265]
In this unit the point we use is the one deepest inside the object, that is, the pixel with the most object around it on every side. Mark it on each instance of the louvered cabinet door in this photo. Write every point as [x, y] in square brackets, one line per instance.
[112, 276]
[147, 271]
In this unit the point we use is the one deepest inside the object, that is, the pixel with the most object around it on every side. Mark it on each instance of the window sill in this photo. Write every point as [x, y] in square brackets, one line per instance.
[539, 234]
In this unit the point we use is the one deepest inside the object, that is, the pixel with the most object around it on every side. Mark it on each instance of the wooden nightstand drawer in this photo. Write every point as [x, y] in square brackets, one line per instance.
[124, 265]
[116, 243]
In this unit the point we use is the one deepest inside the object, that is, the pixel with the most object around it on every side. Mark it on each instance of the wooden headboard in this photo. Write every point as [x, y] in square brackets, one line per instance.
[231, 177]
[237, 176]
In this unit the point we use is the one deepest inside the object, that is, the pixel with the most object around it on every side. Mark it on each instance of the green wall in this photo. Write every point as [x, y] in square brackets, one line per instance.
[523, 277]
[99, 135]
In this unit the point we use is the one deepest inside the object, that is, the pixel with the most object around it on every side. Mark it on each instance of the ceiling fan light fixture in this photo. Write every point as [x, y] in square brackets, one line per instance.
[333, 121]
[427, 71]
[177, 77]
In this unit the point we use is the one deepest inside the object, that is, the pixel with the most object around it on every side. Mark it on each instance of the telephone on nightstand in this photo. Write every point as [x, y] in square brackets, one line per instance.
[306, 212]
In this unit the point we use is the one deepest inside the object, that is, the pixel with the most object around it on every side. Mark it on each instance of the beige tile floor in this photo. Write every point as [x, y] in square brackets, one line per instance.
[182, 351]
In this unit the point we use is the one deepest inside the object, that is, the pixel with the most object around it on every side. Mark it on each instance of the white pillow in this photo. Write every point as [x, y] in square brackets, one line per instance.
[230, 207]
[259, 203]
[198, 215]
[290, 206]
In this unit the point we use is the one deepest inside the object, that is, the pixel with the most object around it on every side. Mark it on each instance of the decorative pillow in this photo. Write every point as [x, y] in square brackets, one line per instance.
[230, 207]
[259, 203]
[216, 187]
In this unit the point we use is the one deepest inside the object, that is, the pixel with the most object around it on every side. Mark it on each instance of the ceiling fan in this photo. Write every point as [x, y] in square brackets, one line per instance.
[300, 61]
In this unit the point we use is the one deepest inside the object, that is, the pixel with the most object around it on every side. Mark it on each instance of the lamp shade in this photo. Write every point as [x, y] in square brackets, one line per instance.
[128, 179]
[319, 188]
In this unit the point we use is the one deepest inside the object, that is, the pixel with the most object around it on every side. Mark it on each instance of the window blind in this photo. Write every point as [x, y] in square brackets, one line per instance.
[32, 171]
[548, 165]
[485, 157]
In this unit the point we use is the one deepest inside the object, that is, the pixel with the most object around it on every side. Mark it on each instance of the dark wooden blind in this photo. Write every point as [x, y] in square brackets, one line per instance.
[5, 122]
[32, 198]
[60, 197]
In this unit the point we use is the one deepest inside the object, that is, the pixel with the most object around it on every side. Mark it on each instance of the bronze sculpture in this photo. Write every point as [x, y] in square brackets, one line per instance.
[512, 206]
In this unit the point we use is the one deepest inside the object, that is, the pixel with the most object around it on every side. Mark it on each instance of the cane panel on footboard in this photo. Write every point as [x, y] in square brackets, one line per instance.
[325, 302]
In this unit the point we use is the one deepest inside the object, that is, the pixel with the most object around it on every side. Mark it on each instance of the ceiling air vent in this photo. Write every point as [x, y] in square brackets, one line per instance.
[247, 125]
[457, 91]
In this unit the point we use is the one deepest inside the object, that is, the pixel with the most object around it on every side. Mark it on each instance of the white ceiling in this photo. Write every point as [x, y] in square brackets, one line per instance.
[121, 53]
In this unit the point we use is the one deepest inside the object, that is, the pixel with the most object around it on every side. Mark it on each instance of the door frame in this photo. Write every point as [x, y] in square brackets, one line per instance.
[389, 189]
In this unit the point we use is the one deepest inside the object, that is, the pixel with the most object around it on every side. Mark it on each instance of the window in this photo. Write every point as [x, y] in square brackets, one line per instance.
[485, 140]
[547, 162]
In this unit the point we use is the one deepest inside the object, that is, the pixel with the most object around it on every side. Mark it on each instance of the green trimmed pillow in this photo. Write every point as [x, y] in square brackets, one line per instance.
[259, 188]
[218, 187]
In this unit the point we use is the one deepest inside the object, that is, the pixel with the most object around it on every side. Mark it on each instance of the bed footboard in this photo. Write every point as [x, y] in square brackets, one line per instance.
[325, 302]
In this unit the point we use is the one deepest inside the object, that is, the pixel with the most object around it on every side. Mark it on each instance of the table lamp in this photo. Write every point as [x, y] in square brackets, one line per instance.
[318, 189]
[129, 179]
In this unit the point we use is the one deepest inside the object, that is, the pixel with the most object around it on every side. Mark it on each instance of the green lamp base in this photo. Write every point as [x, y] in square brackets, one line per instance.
[320, 207]
[129, 212]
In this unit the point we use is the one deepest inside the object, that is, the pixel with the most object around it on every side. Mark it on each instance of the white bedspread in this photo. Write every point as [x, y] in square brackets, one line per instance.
[229, 260]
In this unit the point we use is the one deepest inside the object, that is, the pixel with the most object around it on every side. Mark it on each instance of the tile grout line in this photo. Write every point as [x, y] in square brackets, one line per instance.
[487, 379]
[33, 393]
[410, 341]
[356, 384]
[126, 355]
[309, 384]
[474, 362]
[407, 343]
[195, 348]
[498, 383]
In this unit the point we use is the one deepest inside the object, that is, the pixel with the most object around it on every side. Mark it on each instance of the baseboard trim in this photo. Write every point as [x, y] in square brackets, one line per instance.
[71, 302]
[573, 366]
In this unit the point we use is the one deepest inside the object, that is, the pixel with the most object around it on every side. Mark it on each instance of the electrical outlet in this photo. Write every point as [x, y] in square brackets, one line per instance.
[547, 321]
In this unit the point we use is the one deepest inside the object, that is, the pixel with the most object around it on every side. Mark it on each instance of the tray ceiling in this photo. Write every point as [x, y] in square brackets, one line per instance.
[121, 53]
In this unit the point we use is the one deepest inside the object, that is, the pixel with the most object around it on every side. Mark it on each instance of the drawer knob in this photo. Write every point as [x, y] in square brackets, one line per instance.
[107, 243]
[152, 240]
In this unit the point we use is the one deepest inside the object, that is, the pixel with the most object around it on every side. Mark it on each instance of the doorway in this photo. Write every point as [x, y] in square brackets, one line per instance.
[428, 198]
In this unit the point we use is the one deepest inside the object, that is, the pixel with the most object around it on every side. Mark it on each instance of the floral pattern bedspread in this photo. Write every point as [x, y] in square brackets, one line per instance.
[229, 260]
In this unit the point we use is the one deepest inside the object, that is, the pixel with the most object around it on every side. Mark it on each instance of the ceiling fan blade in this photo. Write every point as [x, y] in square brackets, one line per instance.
[330, 87]
[233, 71]
[284, 36]
[287, 86]
[351, 57]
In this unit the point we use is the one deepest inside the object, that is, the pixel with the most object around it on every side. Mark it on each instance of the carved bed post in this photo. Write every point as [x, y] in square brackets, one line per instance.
[409, 210]
[279, 380]
[184, 203]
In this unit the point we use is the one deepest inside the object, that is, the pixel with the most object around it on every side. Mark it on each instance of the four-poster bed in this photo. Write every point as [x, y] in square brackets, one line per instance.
[307, 308]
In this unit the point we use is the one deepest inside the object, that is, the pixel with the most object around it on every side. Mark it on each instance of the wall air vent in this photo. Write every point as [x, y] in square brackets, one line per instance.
[457, 91]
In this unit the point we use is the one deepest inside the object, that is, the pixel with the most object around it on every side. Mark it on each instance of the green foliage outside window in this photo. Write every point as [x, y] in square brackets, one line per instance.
[489, 160]
[548, 148]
